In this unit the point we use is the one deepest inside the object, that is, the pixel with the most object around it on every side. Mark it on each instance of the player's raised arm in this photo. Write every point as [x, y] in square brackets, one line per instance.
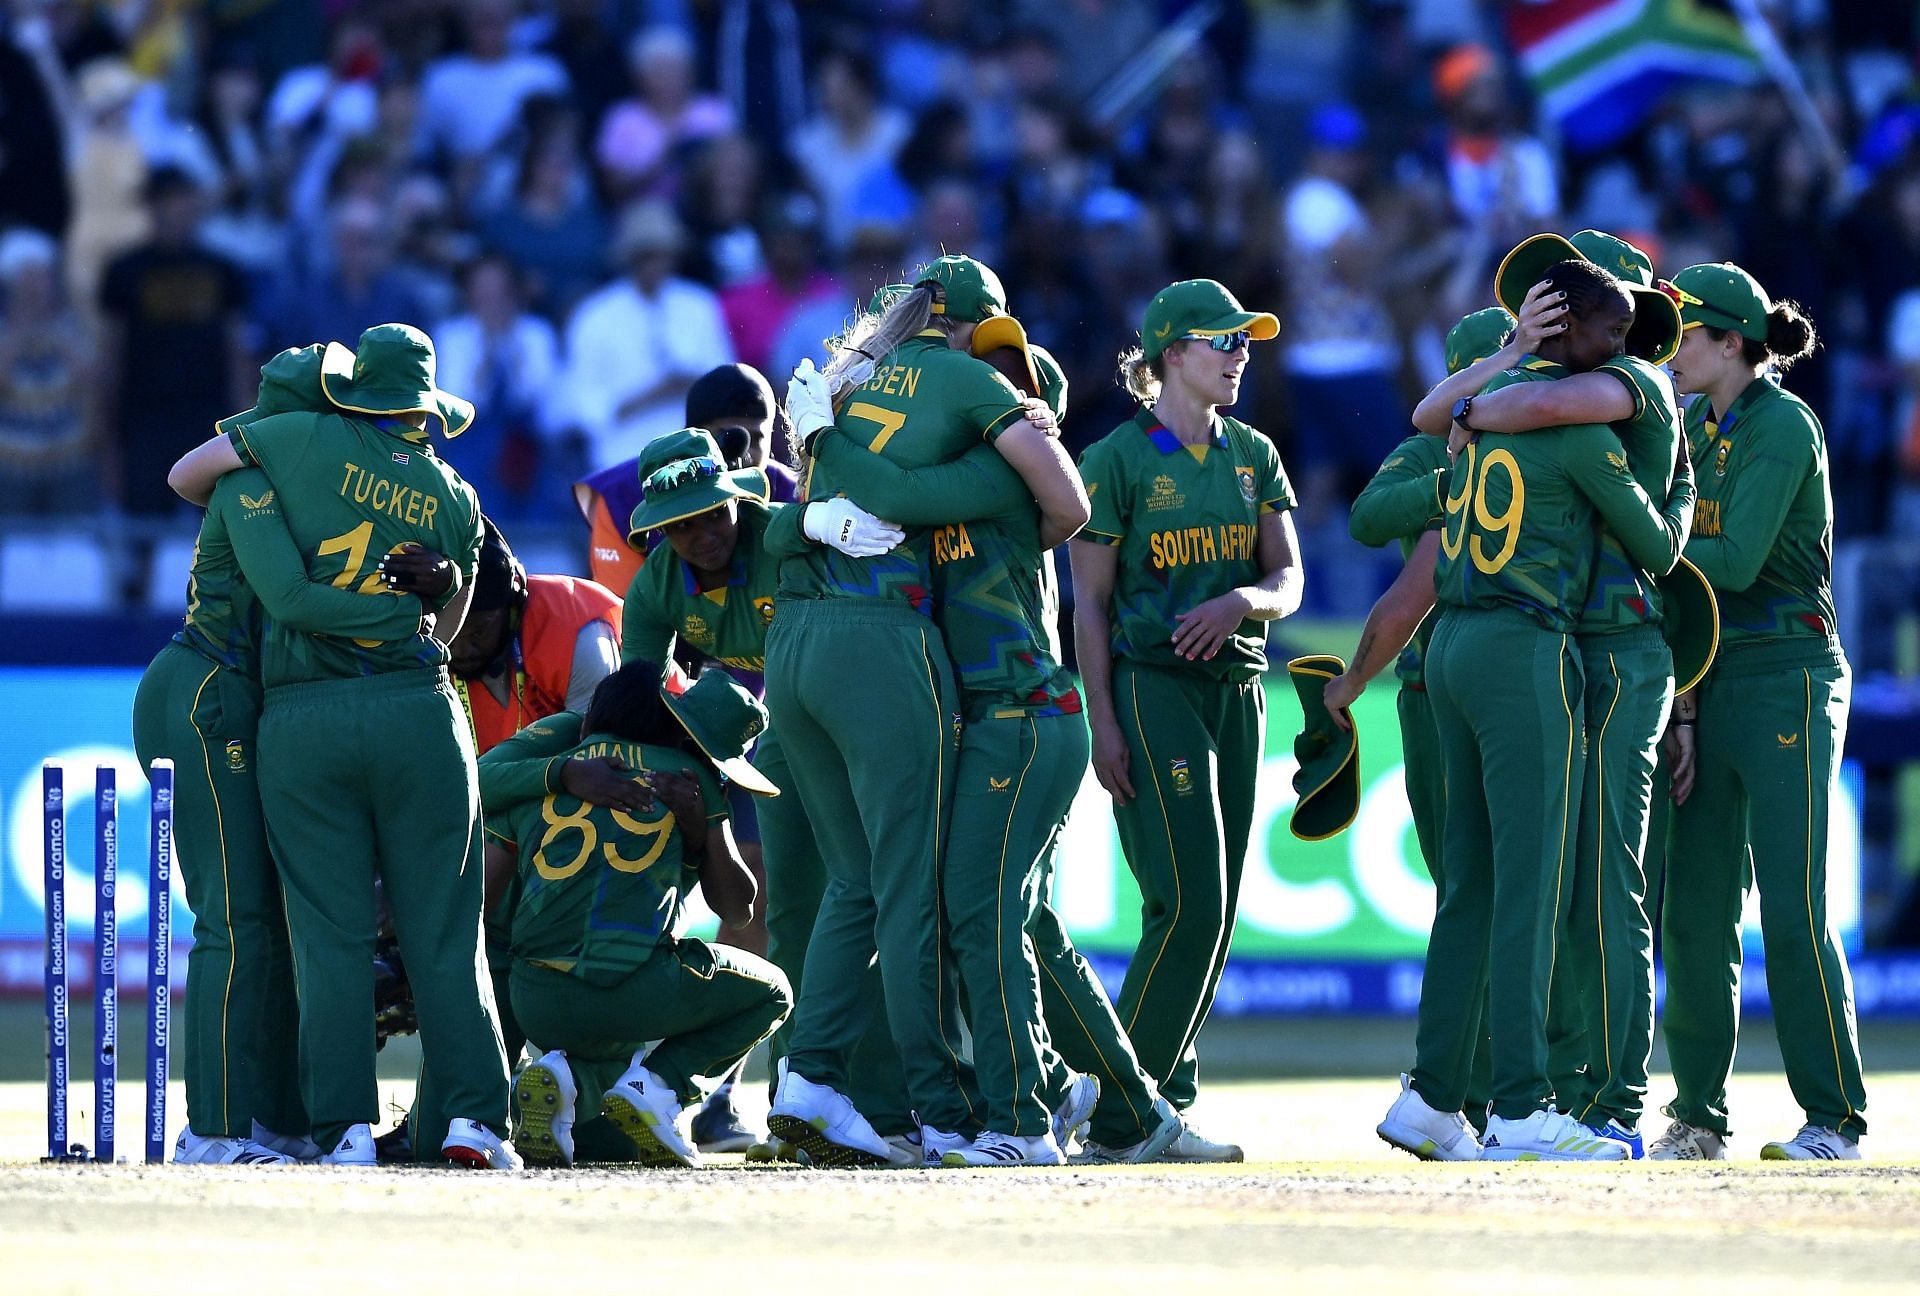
[1485, 343]
[194, 473]
[1594, 397]
[1652, 535]
[1041, 462]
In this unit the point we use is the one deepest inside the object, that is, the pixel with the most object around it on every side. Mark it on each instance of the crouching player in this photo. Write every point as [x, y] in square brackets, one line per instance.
[597, 969]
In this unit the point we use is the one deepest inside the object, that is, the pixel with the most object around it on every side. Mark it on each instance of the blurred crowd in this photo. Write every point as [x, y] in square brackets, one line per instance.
[592, 202]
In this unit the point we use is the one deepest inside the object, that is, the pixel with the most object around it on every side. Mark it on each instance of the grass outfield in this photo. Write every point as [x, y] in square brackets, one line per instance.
[1322, 1205]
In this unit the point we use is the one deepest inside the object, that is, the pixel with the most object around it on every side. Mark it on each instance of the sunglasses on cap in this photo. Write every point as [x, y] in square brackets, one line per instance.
[680, 473]
[1221, 341]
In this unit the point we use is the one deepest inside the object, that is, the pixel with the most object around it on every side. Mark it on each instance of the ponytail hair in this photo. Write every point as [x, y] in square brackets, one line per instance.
[1141, 376]
[1790, 335]
[859, 348]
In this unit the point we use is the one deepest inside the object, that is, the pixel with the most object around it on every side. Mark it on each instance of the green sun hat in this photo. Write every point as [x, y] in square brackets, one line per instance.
[1690, 619]
[1654, 335]
[724, 719]
[289, 384]
[1725, 296]
[392, 372]
[682, 475]
[1328, 780]
[971, 289]
[1199, 307]
[1477, 336]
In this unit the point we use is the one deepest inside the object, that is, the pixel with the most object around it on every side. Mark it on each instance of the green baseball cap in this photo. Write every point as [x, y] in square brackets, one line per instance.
[391, 371]
[1690, 619]
[1199, 307]
[885, 295]
[1328, 780]
[1053, 381]
[723, 719]
[1477, 336]
[971, 290]
[1655, 333]
[682, 475]
[289, 383]
[1725, 296]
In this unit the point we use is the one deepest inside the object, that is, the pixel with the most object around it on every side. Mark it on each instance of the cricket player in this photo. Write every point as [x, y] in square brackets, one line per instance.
[874, 764]
[1516, 557]
[366, 760]
[199, 705]
[1770, 720]
[1190, 552]
[597, 969]
[1600, 1021]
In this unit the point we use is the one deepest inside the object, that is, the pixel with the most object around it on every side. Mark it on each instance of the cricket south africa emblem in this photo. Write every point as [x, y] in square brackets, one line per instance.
[236, 756]
[1245, 474]
[1181, 777]
[1720, 454]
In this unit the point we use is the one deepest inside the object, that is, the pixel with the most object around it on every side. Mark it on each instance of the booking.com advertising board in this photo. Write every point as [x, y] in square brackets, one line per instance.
[1327, 927]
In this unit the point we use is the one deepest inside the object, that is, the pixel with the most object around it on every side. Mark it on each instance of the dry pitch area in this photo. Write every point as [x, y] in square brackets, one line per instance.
[1322, 1206]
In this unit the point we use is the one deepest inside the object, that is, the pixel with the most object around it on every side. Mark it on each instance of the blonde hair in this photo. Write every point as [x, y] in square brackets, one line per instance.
[865, 341]
[1140, 376]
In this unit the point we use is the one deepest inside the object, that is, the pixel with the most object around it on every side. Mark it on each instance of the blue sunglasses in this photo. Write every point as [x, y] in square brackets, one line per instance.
[1221, 341]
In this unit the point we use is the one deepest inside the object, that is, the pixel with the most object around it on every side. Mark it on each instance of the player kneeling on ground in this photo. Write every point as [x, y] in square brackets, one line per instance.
[597, 970]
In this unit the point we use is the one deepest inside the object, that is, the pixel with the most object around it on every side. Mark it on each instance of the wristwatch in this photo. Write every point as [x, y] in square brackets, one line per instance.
[1461, 409]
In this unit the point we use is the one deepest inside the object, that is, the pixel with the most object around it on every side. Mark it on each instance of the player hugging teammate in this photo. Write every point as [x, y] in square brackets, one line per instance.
[1562, 523]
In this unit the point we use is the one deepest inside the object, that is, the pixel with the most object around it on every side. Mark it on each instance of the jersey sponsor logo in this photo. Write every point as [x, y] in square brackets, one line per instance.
[951, 543]
[1228, 542]
[697, 632]
[1618, 461]
[1788, 740]
[1720, 454]
[248, 501]
[236, 756]
[1164, 496]
[1245, 474]
[1164, 330]
[385, 495]
[1181, 776]
[999, 785]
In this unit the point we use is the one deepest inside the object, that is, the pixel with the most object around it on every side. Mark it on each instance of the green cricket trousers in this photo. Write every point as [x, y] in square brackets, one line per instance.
[1194, 747]
[237, 1045]
[1773, 718]
[1507, 704]
[371, 776]
[862, 693]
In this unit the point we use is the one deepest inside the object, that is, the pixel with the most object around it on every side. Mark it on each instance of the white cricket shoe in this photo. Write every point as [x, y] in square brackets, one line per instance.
[355, 1148]
[1547, 1135]
[1169, 1128]
[548, 1099]
[1684, 1142]
[1813, 1143]
[297, 1146]
[223, 1149]
[822, 1122]
[935, 1145]
[1191, 1146]
[648, 1111]
[1076, 1108]
[906, 1152]
[990, 1148]
[1413, 1126]
[474, 1146]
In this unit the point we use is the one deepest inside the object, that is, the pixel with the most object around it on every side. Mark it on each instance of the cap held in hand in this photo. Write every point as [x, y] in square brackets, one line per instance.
[1328, 780]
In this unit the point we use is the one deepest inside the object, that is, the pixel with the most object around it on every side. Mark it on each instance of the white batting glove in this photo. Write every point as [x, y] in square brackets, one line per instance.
[809, 405]
[841, 524]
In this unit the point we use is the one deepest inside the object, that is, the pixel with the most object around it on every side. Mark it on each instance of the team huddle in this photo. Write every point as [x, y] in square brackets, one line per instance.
[866, 767]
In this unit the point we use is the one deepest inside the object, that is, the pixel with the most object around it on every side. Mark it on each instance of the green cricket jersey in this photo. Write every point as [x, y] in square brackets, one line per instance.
[1186, 520]
[246, 569]
[358, 488]
[729, 624]
[1622, 595]
[995, 597]
[1405, 499]
[1763, 534]
[926, 403]
[1520, 514]
[599, 888]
